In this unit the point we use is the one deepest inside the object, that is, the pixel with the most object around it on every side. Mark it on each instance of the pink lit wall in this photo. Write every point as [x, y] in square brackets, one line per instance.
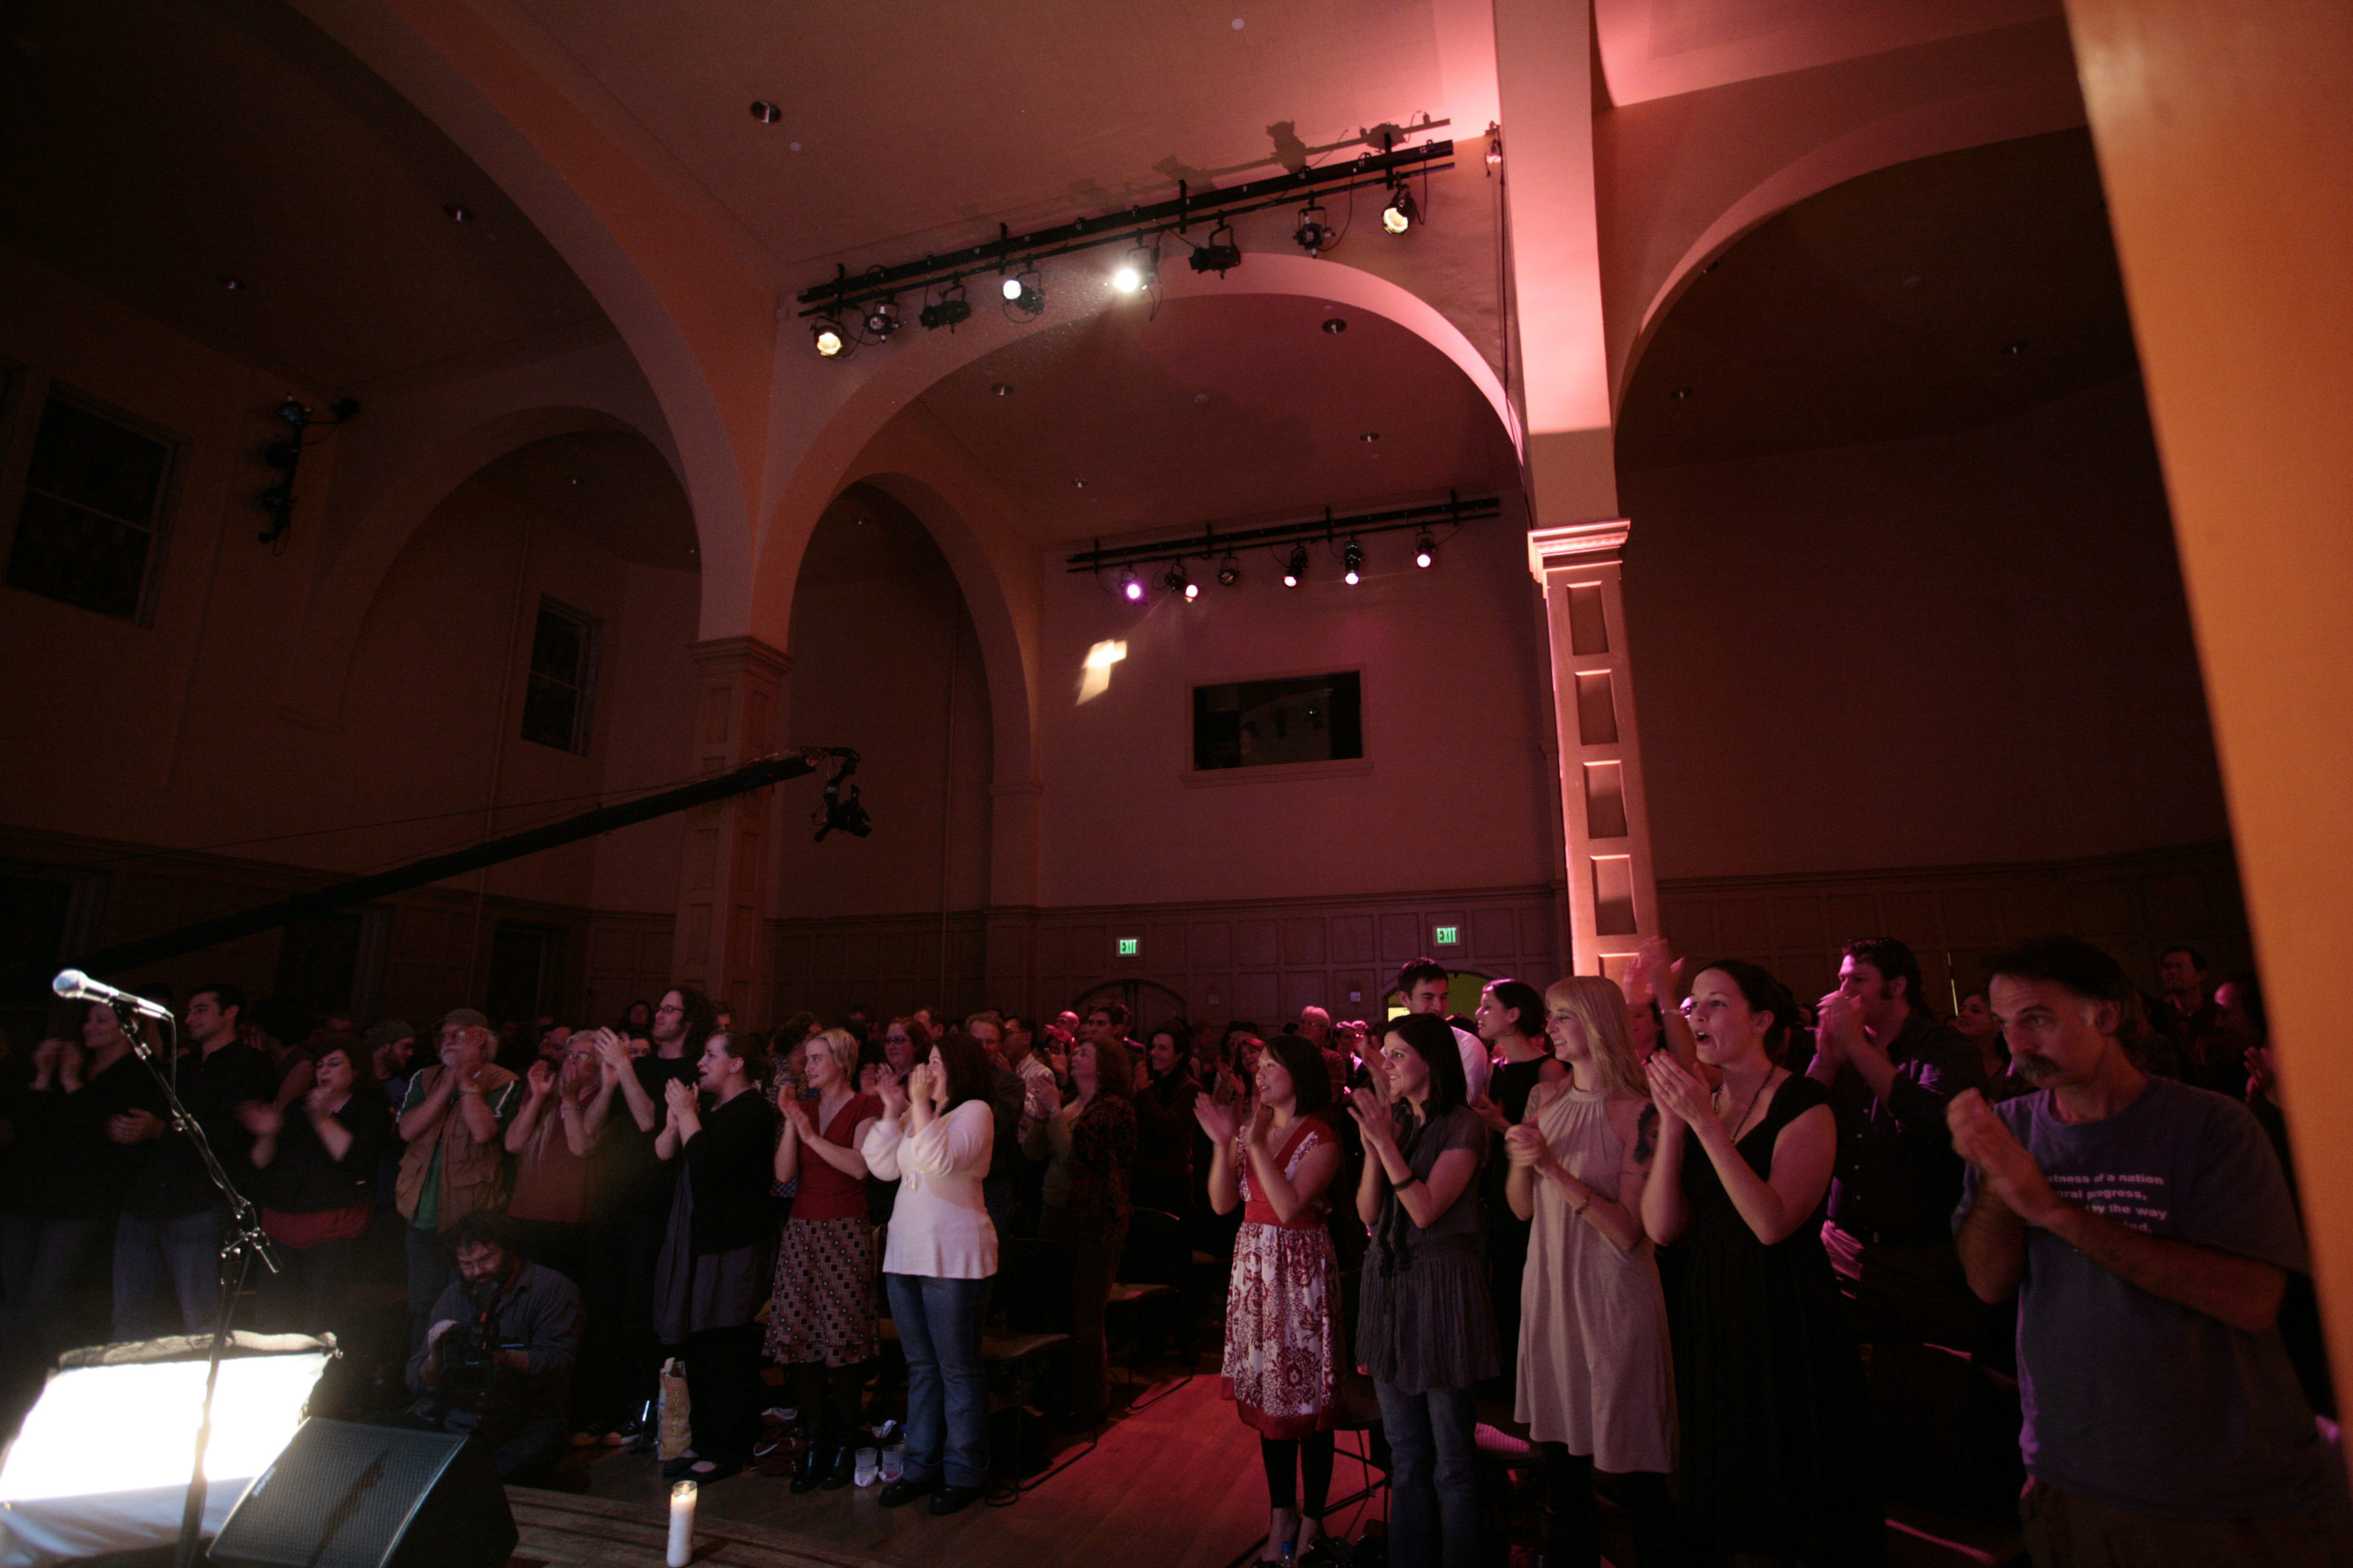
[1971, 648]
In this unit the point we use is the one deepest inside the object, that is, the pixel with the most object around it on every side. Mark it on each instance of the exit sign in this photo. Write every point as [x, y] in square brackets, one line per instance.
[1448, 936]
[1129, 947]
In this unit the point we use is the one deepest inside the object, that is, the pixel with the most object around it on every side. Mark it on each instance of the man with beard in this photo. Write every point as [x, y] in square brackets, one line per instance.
[2147, 1230]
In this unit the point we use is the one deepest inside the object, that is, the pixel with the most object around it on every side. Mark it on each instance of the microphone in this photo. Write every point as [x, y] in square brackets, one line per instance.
[73, 985]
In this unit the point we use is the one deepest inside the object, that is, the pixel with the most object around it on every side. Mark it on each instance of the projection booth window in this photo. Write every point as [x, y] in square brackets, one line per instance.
[1256, 723]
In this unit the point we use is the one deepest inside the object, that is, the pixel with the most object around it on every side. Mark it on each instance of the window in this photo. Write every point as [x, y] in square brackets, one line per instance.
[1253, 723]
[90, 519]
[563, 679]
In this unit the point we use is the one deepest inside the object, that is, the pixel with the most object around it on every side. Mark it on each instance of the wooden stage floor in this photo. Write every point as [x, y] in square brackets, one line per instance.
[1177, 1484]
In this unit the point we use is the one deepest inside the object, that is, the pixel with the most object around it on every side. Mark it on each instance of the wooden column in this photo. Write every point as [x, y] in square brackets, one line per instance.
[1613, 900]
[723, 909]
[2225, 141]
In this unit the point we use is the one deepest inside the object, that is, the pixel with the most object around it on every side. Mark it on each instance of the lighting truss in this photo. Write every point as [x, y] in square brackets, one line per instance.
[1214, 544]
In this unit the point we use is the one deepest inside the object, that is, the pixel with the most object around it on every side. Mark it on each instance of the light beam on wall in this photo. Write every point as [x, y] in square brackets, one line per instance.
[1095, 673]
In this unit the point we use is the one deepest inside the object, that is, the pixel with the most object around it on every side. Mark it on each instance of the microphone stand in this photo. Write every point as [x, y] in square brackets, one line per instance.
[245, 1243]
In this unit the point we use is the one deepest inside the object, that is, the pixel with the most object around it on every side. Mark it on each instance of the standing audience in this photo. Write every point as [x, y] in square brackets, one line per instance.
[454, 1122]
[318, 1159]
[1163, 1176]
[1596, 1375]
[1426, 1328]
[1092, 1144]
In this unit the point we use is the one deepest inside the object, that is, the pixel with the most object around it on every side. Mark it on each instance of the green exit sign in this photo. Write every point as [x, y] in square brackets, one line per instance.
[1129, 947]
[1448, 936]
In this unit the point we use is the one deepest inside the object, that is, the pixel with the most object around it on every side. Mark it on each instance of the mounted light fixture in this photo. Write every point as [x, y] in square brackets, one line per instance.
[826, 334]
[948, 309]
[1022, 292]
[1230, 572]
[1176, 581]
[1218, 256]
[1399, 215]
[1295, 569]
[1314, 232]
[1130, 589]
[1138, 272]
[882, 318]
[1353, 558]
[1425, 550]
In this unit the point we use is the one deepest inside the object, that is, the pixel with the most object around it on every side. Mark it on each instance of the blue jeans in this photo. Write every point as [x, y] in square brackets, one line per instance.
[947, 1389]
[182, 1252]
[1433, 1490]
[39, 1260]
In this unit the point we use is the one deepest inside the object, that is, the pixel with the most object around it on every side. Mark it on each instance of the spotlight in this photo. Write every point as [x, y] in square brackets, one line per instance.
[1353, 558]
[1425, 550]
[1023, 293]
[1399, 215]
[948, 309]
[1130, 589]
[1296, 567]
[1314, 230]
[1192, 591]
[1218, 256]
[1139, 271]
[882, 318]
[767, 114]
[1230, 572]
[1176, 581]
[826, 332]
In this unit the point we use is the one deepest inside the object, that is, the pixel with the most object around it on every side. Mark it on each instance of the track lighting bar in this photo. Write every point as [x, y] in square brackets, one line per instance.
[1211, 544]
[1082, 234]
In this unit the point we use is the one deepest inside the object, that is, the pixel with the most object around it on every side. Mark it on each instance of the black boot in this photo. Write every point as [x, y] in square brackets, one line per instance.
[841, 1469]
[810, 1469]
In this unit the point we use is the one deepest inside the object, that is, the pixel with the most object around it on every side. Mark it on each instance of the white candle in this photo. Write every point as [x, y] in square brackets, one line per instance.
[681, 1524]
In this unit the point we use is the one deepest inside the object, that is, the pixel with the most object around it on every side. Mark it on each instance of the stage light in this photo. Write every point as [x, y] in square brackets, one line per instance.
[1314, 230]
[1230, 572]
[1192, 591]
[1130, 589]
[1176, 581]
[826, 333]
[882, 318]
[949, 309]
[1295, 569]
[1139, 271]
[1399, 215]
[1218, 256]
[1022, 292]
[1353, 558]
[1425, 550]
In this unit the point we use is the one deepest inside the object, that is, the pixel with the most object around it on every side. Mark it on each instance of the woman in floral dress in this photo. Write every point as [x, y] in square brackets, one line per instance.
[1282, 1330]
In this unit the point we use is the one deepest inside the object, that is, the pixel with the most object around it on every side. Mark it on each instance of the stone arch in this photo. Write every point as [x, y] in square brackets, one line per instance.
[315, 677]
[1974, 120]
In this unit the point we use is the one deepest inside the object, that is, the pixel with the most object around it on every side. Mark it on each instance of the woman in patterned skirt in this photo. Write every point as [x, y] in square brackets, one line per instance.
[821, 1319]
[1282, 1330]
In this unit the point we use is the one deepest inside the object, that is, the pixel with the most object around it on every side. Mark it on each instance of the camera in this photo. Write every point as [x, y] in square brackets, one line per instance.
[469, 1356]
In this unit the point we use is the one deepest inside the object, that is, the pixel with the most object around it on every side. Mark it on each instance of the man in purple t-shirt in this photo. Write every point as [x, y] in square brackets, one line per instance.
[2147, 1230]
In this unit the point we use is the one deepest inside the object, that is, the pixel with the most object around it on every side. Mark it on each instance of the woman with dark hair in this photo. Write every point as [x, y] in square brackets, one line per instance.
[638, 1022]
[1091, 1143]
[319, 1156]
[1282, 1301]
[821, 1319]
[1596, 1373]
[716, 1261]
[1426, 1328]
[1766, 1369]
[1509, 1019]
[934, 1139]
[1163, 1177]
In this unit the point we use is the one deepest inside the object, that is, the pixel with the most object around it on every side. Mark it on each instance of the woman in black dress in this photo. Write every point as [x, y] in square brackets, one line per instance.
[1770, 1384]
[719, 1259]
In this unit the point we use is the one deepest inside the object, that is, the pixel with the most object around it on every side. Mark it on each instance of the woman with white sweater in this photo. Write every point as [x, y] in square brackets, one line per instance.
[934, 1139]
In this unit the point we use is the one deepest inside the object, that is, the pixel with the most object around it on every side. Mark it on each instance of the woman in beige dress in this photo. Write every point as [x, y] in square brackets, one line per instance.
[1595, 1382]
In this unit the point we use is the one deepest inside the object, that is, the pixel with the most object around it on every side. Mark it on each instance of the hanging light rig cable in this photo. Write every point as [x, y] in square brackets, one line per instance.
[1341, 538]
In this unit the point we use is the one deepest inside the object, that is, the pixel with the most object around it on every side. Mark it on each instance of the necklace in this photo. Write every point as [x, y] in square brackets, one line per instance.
[1732, 1129]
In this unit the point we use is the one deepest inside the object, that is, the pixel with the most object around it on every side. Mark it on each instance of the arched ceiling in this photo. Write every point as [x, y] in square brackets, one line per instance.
[1938, 295]
[1218, 409]
[155, 147]
[611, 486]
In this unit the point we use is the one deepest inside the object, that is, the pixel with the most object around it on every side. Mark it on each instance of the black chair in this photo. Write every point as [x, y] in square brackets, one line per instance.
[1156, 1267]
[1033, 1289]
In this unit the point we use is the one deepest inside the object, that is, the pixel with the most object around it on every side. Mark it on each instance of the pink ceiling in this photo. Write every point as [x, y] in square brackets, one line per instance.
[156, 146]
[1219, 410]
[1656, 48]
[924, 125]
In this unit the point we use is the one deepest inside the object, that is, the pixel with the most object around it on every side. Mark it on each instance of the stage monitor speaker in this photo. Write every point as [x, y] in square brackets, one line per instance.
[348, 1496]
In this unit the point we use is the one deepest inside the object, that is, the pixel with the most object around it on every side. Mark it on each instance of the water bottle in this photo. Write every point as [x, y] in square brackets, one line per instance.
[869, 1466]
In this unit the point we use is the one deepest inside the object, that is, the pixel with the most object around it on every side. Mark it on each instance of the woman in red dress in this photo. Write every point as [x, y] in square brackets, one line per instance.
[1283, 1307]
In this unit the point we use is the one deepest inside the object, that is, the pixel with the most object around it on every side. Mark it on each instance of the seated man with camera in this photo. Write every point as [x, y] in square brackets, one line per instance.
[497, 1362]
